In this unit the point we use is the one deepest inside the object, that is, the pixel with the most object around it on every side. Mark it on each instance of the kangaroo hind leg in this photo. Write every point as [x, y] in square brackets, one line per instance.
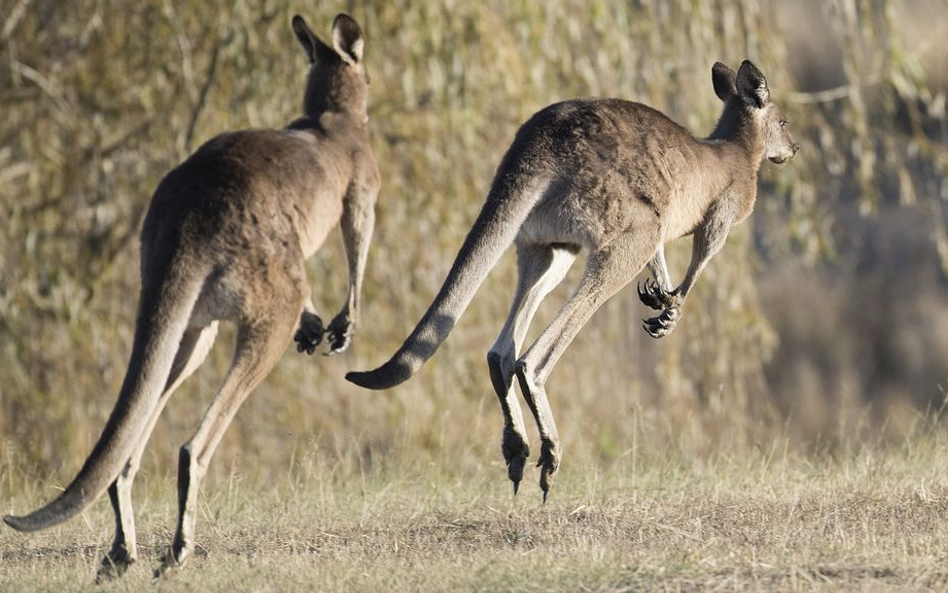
[607, 271]
[260, 342]
[540, 268]
[195, 344]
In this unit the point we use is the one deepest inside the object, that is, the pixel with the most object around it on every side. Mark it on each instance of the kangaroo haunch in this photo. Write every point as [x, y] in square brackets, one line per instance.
[226, 237]
[618, 179]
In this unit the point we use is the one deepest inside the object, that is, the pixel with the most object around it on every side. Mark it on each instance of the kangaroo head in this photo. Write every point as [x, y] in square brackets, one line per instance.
[747, 91]
[337, 77]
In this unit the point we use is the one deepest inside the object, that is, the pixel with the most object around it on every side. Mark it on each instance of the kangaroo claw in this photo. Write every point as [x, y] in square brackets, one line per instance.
[548, 463]
[663, 324]
[645, 295]
[310, 333]
[656, 297]
[516, 451]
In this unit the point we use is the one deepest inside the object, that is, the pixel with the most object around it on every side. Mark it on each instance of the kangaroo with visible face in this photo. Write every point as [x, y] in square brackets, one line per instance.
[618, 179]
[226, 237]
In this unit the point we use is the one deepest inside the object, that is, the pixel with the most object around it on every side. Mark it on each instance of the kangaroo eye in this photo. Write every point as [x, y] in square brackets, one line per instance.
[783, 123]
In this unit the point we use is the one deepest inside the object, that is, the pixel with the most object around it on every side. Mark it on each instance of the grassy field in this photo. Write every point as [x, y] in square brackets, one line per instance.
[869, 521]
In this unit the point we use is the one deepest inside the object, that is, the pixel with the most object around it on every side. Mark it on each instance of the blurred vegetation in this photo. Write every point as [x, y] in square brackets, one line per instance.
[818, 322]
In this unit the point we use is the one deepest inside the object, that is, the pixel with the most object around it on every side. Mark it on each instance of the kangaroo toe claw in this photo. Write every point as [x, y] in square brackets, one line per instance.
[647, 295]
[516, 451]
[654, 296]
[548, 463]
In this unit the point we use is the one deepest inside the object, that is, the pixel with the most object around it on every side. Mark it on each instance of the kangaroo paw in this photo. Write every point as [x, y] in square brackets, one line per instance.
[661, 326]
[655, 297]
[339, 332]
[114, 564]
[310, 333]
[548, 463]
[515, 450]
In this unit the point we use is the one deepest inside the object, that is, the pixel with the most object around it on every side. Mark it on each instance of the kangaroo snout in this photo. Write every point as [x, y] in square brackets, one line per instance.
[781, 159]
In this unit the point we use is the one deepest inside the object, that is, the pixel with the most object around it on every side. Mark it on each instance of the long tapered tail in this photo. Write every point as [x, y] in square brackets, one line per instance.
[508, 205]
[162, 320]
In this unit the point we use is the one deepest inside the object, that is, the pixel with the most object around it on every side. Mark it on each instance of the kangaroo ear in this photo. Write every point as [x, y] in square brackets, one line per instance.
[312, 44]
[724, 80]
[752, 86]
[347, 38]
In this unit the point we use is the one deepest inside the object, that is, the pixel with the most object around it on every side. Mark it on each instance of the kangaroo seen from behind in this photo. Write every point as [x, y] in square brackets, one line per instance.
[226, 237]
[618, 179]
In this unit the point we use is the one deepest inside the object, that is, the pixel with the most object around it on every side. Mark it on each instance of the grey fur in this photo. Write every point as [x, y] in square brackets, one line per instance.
[226, 237]
[617, 179]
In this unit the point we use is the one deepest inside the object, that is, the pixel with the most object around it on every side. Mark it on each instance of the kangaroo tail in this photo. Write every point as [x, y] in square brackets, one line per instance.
[162, 320]
[512, 197]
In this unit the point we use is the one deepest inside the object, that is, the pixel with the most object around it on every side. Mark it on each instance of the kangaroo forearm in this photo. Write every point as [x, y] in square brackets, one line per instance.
[357, 232]
[708, 241]
[691, 276]
[659, 269]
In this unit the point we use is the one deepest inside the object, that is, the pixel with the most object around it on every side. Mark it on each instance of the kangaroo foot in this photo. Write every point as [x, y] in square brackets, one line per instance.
[114, 564]
[548, 463]
[661, 326]
[171, 562]
[309, 334]
[515, 450]
[654, 296]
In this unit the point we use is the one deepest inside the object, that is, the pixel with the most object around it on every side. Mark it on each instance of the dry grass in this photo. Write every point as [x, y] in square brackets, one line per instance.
[872, 521]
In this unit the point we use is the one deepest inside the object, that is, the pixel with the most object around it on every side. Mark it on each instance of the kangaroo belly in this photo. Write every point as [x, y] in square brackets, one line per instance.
[244, 288]
[588, 211]
[547, 226]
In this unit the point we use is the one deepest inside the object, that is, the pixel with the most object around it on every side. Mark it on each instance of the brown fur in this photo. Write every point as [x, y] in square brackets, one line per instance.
[617, 179]
[225, 238]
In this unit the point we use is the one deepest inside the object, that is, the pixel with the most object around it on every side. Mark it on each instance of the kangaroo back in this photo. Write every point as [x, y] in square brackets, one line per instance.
[163, 315]
[513, 195]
